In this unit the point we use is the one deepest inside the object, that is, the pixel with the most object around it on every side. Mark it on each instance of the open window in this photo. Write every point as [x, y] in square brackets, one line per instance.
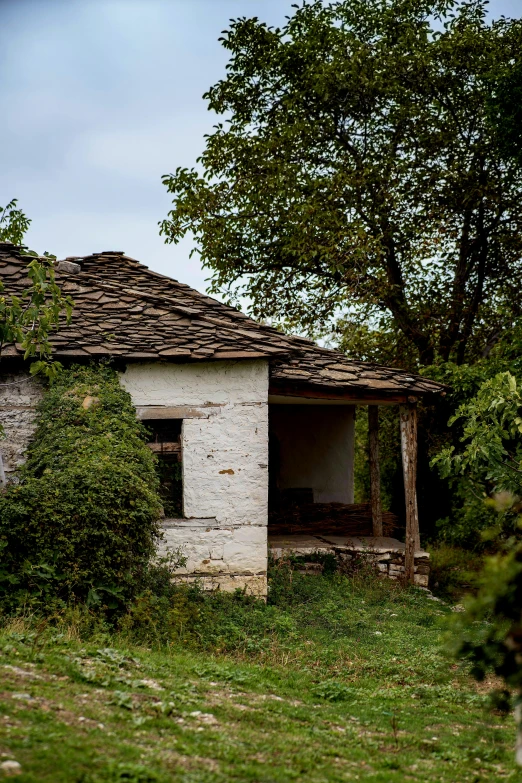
[165, 442]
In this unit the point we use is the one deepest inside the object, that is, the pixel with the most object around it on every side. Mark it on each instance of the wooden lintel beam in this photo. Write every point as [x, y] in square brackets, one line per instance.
[145, 412]
[361, 396]
[165, 448]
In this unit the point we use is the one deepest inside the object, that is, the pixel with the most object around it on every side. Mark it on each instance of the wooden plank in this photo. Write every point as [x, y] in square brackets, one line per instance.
[375, 473]
[408, 426]
[165, 448]
[241, 355]
[144, 412]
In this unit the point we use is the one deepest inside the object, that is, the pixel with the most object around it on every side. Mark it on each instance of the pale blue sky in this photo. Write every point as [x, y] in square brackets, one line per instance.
[99, 99]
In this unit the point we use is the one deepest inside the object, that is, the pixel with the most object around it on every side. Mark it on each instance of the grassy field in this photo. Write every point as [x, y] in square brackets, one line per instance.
[335, 680]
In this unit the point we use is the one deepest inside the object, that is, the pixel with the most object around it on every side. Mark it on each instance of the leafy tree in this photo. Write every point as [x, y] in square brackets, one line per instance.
[355, 169]
[14, 224]
[492, 435]
[489, 635]
[30, 319]
[505, 109]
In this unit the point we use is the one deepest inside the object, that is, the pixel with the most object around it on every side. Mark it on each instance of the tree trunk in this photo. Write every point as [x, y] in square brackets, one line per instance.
[408, 425]
[375, 473]
[395, 298]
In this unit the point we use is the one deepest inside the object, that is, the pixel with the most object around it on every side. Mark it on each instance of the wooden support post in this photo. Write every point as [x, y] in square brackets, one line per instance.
[408, 423]
[375, 473]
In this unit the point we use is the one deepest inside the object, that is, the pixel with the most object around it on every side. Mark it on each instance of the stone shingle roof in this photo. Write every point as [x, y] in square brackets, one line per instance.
[124, 310]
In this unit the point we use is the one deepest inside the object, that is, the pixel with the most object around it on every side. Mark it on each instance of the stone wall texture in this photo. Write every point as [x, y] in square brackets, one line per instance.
[19, 396]
[225, 465]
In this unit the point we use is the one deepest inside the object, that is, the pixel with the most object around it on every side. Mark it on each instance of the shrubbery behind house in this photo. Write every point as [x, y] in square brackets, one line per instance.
[81, 523]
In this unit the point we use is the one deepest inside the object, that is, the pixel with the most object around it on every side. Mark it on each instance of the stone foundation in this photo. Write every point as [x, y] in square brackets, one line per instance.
[386, 554]
[251, 584]
[224, 558]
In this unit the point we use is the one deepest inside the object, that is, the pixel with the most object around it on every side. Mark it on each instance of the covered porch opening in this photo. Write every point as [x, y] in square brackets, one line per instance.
[311, 483]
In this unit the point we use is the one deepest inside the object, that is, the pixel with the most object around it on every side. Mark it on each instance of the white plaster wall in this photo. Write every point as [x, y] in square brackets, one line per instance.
[19, 395]
[225, 465]
[218, 383]
[225, 459]
[316, 449]
[225, 455]
[210, 550]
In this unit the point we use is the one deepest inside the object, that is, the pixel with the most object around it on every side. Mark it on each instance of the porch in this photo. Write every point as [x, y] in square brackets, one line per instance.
[311, 482]
[386, 554]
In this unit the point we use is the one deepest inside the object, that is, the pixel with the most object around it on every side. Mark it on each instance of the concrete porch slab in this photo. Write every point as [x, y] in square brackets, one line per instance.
[370, 544]
[297, 544]
[386, 554]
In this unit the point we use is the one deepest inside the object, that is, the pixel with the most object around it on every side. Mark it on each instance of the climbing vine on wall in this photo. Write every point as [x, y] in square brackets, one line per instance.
[81, 523]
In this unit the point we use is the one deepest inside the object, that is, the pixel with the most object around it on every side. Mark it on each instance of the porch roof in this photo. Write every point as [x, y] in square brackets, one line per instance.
[124, 310]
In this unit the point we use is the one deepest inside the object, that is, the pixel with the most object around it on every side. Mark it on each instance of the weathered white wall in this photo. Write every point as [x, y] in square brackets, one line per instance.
[225, 461]
[217, 383]
[223, 550]
[19, 396]
[316, 448]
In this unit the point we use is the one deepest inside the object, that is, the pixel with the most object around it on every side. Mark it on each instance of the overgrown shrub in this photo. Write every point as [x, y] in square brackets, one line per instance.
[484, 459]
[81, 524]
[451, 506]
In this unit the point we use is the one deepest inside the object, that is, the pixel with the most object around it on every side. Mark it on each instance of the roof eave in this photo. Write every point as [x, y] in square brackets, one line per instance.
[354, 394]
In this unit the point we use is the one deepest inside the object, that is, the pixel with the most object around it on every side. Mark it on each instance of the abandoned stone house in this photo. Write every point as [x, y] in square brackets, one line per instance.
[259, 425]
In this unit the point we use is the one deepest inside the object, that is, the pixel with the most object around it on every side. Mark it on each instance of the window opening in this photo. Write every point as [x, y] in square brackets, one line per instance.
[165, 442]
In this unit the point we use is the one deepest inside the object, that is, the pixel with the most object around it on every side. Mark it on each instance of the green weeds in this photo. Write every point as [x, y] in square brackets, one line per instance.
[334, 679]
[453, 570]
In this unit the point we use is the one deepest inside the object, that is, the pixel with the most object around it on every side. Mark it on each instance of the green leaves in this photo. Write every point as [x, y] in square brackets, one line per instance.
[489, 634]
[505, 108]
[491, 434]
[331, 690]
[13, 223]
[30, 320]
[354, 170]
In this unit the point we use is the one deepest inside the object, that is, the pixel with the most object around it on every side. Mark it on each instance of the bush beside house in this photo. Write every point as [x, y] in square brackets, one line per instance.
[81, 523]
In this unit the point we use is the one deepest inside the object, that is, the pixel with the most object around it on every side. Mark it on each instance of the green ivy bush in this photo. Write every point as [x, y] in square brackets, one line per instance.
[81, 524]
